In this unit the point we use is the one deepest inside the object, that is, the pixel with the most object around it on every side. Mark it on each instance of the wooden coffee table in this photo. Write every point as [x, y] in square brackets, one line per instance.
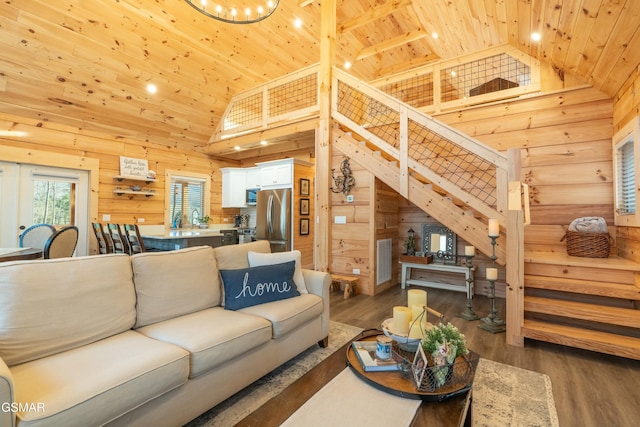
[446, 407]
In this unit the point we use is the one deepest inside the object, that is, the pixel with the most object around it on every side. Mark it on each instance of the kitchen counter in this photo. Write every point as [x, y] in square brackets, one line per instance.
[184, 233]
[184, 238]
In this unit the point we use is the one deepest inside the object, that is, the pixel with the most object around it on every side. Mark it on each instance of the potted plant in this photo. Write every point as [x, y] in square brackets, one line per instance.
[442, 344]
[203, 222]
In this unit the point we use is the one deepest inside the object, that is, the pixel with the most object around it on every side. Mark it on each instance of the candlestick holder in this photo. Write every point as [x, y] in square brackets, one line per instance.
[492, 322]
[468, 313]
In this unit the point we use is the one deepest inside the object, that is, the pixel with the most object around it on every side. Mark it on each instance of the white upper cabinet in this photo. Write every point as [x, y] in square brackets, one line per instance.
[278, 175]
[254, 178]
[234, 187]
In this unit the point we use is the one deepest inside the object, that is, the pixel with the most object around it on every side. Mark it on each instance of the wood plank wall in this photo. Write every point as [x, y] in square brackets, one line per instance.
[107, 148]
[303, 243]
[627, 106]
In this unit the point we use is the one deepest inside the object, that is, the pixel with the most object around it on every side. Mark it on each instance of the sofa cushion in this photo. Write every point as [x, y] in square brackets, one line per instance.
[170, 284]
[95, 383]
[287, 315]
[49, 306]
[250, 286]
[257, 259]
[232, 257]
[213, 336]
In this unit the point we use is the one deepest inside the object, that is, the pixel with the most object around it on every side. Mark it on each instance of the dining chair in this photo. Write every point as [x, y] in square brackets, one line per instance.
[120, 241]
[36, 236]
[104, 245]
[62, 243]
[133, 236]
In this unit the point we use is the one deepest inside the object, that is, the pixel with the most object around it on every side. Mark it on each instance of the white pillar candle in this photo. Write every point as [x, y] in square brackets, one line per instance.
[416, 311]
[492, 273]
[416, 297]
[401, 320]
[416, 330]
[494, 228]
[469, 251]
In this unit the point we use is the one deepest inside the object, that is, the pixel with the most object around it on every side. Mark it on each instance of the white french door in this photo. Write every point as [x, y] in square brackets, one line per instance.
[32, 194]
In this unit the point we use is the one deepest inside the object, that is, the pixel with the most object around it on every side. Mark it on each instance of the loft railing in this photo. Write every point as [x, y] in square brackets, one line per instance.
[462, 166]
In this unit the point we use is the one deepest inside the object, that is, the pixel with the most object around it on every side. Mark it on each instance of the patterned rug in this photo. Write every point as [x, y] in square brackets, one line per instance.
[252, 397]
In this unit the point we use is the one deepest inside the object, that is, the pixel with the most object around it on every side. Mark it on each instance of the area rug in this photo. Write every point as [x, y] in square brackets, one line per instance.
[348, 401]
[249, 399]
[505, 395]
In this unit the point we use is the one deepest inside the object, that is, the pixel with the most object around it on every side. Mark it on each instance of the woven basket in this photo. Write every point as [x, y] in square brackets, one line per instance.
[588, 245]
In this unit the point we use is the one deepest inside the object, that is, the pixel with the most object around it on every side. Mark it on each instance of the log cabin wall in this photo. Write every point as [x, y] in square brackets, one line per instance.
[626, 107]
[301, 241]
[107, 148]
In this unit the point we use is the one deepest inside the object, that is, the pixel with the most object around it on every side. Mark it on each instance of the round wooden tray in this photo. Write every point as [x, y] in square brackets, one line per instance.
[399, 383]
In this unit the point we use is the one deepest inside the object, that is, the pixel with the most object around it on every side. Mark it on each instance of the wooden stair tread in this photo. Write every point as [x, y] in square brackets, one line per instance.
[606, 289]
[578, 310]
[555, 258]
[618, 345]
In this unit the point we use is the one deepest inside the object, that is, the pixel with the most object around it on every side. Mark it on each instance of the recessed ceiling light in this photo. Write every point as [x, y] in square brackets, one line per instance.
[347, 65]
[536, 37]
[237, 148]
[297, 23]
[453, 73]
[434, 35]
[151, 88]
[263, 142]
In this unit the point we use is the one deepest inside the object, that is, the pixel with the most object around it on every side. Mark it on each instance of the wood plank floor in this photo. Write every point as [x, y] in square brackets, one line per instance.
[590, 389]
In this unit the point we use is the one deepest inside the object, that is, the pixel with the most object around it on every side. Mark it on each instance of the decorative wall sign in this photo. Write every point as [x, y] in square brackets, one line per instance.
[130, 166]
[304, 206]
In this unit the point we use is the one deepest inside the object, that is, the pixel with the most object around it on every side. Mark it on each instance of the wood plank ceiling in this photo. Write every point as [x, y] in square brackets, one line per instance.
[87, 63]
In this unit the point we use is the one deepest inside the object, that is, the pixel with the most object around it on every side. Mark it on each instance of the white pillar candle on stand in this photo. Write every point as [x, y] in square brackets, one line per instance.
[416, 296]
[469, 251]
[494, 228]
[492, 273]
[401, 320]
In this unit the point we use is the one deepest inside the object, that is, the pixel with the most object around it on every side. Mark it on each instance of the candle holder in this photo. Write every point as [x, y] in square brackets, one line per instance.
[492, 322]
[468, 313]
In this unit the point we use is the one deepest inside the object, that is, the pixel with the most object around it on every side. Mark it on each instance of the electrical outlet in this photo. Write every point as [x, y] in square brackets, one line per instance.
[140, 219]
[356, 271]
[106, 217]
[340, 220]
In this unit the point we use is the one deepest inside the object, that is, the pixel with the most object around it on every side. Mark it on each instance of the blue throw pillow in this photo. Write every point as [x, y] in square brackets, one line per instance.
[252, 286]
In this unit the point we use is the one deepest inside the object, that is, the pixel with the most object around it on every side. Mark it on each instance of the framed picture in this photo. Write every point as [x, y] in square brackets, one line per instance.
[304, 226]
[304, 206]
[419, 366]
[304, 187]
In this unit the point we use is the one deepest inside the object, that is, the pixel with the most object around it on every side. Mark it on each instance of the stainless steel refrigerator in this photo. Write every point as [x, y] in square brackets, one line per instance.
[273, 218]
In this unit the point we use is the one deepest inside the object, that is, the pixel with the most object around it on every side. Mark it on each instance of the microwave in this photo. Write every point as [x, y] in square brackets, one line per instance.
[252, 196]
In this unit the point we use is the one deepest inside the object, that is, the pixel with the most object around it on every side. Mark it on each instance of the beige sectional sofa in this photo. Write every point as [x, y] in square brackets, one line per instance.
[141, 340]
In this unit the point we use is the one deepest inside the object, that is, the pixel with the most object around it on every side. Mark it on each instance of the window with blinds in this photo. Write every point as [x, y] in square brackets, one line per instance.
[186, 200]
[625, 151]
[626, 188]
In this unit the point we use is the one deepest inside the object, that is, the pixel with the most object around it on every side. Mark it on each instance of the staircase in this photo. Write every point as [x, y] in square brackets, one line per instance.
[586, 303]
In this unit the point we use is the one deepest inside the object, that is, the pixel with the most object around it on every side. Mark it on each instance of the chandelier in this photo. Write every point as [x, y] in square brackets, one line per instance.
[237, 14]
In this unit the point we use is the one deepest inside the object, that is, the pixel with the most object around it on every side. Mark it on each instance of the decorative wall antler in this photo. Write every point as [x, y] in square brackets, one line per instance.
[345, 182]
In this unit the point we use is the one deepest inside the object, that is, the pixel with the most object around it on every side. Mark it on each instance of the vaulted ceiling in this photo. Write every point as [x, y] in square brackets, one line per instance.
[86, 63]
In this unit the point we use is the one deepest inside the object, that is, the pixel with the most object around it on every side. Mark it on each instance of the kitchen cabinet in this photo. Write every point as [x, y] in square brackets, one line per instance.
[254, 178]
[234, 187]
[277, 176]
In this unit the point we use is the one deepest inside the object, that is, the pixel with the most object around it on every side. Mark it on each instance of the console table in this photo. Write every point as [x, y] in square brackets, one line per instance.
[451, 268]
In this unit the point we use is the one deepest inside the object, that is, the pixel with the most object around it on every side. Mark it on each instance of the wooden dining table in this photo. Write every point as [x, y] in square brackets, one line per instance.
[16, 254]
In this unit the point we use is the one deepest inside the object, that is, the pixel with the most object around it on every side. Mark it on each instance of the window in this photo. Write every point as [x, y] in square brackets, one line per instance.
[626, 174]
[187, 199]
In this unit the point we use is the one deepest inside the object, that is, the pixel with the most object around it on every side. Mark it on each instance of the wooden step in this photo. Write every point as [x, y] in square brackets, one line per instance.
[602, 342]
[555, 258]
[605, 289]
[577, 310]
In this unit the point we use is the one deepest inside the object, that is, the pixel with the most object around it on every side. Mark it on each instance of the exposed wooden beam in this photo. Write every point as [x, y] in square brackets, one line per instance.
[407, 65]
[373, 15]
[392, 43]
[303, 3]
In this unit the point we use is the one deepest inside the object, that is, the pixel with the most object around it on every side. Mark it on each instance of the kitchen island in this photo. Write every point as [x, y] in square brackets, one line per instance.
[185, 238]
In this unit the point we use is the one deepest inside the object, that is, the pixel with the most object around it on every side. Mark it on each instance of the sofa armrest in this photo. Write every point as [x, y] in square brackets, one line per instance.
[7, 416]
[317, 282]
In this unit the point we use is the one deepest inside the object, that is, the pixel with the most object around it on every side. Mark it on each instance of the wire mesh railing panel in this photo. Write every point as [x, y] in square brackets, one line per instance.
[294, 95]
[486, 75]
[454, 163]
[416, 91]
[379, 119]
[244, 111]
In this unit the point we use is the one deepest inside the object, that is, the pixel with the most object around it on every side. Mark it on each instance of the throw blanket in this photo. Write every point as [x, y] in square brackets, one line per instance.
[589, 224]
